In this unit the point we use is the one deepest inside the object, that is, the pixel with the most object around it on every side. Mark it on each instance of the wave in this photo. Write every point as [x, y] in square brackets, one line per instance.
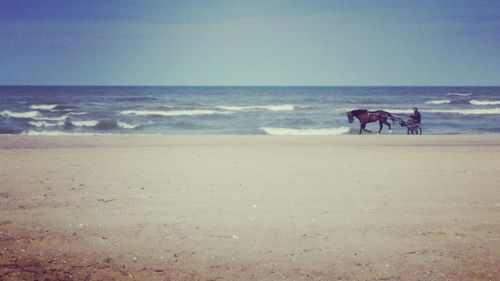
[459, 94]
[43, 106]
[45, 118]
[86, 123]
[305, 132]
[279, 107]
[484, 102]
[438, 102]
[60, 122]
[78, 113]
[106, 124]
[469, 111]
[103, 125]
[172, 112]
[52, 107]
[45, 124]
[124, 125]
[28, 114]
[484, 111]
[98, 125]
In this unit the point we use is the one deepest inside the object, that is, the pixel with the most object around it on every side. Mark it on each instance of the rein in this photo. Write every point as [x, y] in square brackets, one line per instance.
[375, 114]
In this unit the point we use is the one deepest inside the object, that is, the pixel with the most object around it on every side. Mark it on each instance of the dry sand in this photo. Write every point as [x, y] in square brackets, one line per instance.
[250, 208]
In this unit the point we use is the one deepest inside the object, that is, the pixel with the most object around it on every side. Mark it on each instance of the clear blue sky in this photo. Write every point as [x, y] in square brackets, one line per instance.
[122, 42]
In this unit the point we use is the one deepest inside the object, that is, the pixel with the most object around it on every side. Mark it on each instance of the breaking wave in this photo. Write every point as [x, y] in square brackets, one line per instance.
[484, 102]
[43, 106]
[86, 123]
[44, 118]
[124, 125]
[305, 132]
[484, 111]
[46, 124]
[12, 114]
[280, 107]
[438, 102]
[470, 111]
[459, 94]
[103, 125]
[172, 112]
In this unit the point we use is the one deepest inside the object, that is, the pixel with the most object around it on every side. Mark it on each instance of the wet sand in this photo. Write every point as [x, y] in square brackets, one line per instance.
[250, 208]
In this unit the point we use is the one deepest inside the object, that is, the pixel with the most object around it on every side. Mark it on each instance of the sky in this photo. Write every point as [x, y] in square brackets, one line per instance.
[259, 42]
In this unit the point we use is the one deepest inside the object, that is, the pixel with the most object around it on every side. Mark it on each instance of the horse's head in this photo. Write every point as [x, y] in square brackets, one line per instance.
[350, 117]
[355, 113]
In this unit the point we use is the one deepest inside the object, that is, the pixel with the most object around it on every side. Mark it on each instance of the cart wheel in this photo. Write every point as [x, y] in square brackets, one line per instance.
[414, 130]
[418, 130]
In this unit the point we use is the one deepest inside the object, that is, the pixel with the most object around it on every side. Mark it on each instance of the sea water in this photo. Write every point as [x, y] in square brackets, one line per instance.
[62, 110]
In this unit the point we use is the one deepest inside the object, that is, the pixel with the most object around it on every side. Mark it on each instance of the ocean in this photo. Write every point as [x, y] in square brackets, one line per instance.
[172, 110]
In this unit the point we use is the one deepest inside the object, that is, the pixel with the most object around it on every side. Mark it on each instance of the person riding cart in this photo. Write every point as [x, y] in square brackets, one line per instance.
[415, 117]
[413, 123]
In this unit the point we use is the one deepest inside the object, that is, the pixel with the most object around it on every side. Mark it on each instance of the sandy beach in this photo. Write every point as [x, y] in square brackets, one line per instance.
[250, 208]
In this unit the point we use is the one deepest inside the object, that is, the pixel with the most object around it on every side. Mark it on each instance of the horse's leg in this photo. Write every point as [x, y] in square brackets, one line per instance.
[380, 127]
[388, 125]
[363, 127]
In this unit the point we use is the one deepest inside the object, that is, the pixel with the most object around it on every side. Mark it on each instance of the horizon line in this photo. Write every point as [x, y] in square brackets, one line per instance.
[193, 85]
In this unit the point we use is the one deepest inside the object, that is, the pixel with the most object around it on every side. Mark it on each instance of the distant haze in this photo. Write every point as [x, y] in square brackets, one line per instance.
[278, 42]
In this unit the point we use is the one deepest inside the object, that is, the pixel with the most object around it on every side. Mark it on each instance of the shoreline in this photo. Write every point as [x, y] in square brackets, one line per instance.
[388, 207]
[68, 141]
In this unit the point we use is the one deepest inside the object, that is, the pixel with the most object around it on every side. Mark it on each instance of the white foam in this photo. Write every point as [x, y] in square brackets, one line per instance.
[470, 111]
[459, 94]
[86, 123]
[305, 132]
[278, 107]
[61, 118]
[484, 111]
[28, 114]
[124, 125]
[45, 124]
[43, 106]
[438, 102]
[484, 102]
[78, 113]
[172, 112]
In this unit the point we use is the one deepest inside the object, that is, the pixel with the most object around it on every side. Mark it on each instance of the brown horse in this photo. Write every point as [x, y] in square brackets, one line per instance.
[364, 116]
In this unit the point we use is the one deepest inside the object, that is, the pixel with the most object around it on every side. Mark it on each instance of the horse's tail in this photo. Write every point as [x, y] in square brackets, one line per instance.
[392, 118]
